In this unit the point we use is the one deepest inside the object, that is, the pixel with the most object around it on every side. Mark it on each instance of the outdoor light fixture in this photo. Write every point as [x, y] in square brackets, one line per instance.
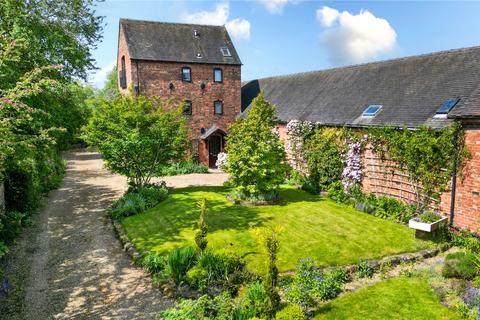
[202, 130]
[202, 86]
[171, 86]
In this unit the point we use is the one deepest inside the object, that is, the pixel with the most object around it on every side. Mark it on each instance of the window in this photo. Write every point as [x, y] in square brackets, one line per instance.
[187, 107]
[123, 75]
[218, 107]
[217, 75]
[225, 52]
[448, 105]
[372, 110]
[186, 74]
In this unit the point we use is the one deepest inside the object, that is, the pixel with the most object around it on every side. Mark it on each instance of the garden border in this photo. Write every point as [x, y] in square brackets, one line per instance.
[125, 241]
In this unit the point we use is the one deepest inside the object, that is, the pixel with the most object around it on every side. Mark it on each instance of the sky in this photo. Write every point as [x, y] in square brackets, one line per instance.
[277, 37]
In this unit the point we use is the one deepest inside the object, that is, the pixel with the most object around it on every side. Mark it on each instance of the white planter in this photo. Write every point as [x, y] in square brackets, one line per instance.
[423, 226]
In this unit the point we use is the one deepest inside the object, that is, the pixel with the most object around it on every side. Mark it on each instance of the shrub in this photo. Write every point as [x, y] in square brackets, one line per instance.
[364, 270]
[128, 205]
[298, 294]
[337, 193]
[153, 194]
[205, 307]
[291, 312]
[154, 262]
[429, 217]
[183, 167]
[460, 265]
[179, 261]
[197, 277]
[201, 234]
[256, 156]
[253, 302]
[218, 267]
[465, 240]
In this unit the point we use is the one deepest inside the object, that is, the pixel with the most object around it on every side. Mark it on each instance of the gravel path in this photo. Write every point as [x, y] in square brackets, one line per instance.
[69, 265]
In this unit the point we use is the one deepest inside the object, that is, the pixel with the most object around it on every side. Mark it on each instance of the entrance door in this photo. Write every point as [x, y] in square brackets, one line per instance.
[214, 148]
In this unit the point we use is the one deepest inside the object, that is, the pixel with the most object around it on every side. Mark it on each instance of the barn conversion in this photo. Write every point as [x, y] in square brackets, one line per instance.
[433, 89]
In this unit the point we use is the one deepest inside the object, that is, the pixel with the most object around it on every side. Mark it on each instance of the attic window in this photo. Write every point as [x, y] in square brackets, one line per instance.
[196, 34]
[199, 56]
[448, 105]
[372, 110]
[225, 52]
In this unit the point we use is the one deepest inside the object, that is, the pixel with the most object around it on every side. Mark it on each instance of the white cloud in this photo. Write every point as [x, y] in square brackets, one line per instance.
[98, 78]
[276, 6]
[238, 28]
[355, 38]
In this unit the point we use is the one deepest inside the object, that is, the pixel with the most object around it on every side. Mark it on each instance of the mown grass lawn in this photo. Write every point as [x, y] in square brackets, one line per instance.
[330, 233]
[398, 298]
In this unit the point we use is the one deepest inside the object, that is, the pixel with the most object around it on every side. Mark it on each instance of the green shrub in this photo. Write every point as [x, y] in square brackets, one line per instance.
[204, 308]
[336, 192]
[253, 302]
[297, 294]
[219, 266]
[364, 270]
[465, 240]
[183, 167]
[460, 265]
[128, 205]
[291, 312]
[340, 275]
[310, 186]
[179, 261]
[197, 277]
[429, 217]
[153, 194]
[12, 223]
[201, 234]
[154, 262]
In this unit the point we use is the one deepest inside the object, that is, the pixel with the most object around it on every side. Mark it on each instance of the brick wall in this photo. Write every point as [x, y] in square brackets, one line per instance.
[384, 177]
[123, 52]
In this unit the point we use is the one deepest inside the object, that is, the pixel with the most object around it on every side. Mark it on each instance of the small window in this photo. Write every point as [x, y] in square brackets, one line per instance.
[187, 107]
[186, 74]
[372, 110]
[217, 75]
[218, 107]
[448, 105]
[123, 74]
[225, 52]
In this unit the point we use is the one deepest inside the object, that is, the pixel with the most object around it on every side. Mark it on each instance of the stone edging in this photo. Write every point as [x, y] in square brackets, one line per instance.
[126, 244]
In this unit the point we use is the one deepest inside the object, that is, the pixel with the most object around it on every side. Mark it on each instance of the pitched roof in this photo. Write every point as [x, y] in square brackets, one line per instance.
[175, 42]
[410, 90]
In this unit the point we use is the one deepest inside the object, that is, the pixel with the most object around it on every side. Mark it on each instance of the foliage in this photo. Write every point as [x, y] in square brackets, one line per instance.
[429, 217]
[204, 308]
[427, 156]
[311, 284]
[364, 270]
[352, 170]
[179, 261]
[137, 137]
[153, 262]
[110, 90]
[253, 301]
[201, 234]
[183, 167]
[256, 157]
[324, 151]
[337, 193]
[137, 200]
[460, 265]
[291, 312]
[464, 239]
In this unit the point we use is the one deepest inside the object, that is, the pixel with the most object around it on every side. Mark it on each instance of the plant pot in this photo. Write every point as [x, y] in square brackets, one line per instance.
[416, 224]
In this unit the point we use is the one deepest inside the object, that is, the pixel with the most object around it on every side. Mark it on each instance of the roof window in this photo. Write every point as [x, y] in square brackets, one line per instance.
[225, 52]
[372, 110]
[448, 105]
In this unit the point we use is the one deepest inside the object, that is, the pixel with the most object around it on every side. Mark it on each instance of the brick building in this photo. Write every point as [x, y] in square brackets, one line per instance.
[196, 64]
[432, 90]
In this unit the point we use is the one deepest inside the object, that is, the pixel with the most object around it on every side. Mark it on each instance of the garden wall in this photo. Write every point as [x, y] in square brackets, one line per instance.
[383, 177]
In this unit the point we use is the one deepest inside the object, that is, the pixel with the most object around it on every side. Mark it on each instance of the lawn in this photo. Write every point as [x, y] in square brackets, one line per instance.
[399, 298]
[328, 232]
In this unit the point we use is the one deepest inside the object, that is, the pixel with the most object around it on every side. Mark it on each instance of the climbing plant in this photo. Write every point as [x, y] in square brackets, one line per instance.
[427, 155]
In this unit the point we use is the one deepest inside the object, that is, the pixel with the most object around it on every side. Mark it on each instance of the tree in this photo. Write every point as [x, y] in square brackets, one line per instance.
[201, 234]
[137, 136]
[256, 157]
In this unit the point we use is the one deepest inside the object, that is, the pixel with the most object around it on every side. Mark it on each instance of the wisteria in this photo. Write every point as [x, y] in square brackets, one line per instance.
[352, 170]
[296, 131]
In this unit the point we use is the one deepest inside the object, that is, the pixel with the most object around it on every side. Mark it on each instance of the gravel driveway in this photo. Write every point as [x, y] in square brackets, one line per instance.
[69, 265]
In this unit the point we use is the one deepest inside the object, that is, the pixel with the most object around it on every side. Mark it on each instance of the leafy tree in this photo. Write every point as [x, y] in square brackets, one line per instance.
[137, 137]
[256, 157]
[110, 90]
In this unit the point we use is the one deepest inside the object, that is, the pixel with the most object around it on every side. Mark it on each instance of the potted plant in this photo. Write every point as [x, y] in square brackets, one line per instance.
[427, 222]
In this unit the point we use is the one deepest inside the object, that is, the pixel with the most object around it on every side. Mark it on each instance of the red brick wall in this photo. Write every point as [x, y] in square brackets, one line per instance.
[123, 52]
[154, 80]
[384, 177]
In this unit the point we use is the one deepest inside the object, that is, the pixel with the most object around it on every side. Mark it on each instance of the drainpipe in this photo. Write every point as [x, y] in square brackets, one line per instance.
[137, 86]
[454, 179]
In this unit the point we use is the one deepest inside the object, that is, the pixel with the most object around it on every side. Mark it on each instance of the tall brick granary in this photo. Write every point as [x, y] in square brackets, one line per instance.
[194, 64]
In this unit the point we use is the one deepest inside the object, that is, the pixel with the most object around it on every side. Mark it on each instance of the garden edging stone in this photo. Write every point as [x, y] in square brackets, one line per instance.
[126, 244]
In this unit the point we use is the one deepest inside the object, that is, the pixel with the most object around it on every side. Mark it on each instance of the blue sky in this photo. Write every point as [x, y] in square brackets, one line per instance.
[277, 37]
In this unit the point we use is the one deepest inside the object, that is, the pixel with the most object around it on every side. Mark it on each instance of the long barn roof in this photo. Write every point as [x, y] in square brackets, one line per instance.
[410, 90]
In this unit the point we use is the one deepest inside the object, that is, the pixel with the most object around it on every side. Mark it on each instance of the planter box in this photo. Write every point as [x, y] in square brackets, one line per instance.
[424, 226]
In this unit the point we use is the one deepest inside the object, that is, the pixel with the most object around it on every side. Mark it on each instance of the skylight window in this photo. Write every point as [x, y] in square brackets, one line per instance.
[372, 110]
[225, 52]
[448, 105]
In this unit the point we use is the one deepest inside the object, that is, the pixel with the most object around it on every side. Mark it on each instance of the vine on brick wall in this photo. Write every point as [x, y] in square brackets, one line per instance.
[352, 171]
[296, 132]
